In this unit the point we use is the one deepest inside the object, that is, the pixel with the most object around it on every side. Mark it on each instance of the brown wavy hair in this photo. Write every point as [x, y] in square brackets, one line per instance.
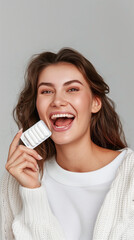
[106, 128]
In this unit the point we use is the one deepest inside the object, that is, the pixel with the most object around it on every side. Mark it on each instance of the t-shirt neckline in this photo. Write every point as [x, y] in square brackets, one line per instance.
[100, 176]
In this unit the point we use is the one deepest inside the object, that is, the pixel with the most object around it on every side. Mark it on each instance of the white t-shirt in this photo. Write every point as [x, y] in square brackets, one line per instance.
[76, 198]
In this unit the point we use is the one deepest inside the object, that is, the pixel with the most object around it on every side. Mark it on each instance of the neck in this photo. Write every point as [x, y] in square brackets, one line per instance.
[81, 156]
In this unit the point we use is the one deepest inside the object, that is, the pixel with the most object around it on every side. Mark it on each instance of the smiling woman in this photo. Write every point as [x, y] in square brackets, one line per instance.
[77, 184]
[55, 96]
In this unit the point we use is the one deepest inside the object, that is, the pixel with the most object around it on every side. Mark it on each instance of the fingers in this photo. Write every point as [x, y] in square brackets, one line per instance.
[22, 158]
[18, 169]
[22, 150]
[22, 163]
[15, 143]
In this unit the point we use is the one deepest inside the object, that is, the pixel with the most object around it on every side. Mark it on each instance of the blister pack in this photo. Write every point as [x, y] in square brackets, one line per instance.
[36, 134]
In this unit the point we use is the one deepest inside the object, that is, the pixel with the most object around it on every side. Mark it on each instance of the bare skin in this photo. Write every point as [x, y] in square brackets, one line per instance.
[22, 164]
[86, 158]
[74, 149]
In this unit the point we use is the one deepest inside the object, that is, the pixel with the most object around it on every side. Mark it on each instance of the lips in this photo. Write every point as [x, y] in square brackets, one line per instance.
[61, 128]
[61, 121]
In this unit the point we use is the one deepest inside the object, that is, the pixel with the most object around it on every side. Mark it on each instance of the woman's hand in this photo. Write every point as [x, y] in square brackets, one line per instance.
[22, 163]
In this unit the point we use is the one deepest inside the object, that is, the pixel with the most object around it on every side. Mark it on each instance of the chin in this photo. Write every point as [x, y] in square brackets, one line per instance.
[61, 141]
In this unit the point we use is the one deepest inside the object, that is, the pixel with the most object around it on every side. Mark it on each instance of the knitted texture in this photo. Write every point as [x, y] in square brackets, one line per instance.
[26, 214]
[115, 220]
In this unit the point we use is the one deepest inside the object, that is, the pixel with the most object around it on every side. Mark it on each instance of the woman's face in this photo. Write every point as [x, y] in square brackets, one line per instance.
[65, 102]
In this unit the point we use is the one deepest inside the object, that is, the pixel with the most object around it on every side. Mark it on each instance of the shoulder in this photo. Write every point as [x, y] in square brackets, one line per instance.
[125, 172]
[128, 160]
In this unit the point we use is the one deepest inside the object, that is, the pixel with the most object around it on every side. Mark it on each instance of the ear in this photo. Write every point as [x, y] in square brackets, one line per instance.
[96, 104]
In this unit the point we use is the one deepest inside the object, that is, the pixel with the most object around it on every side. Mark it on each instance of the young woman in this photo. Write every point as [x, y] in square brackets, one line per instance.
[79, 183]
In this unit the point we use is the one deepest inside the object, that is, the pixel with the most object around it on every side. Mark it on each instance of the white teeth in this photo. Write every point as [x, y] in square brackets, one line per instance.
[54, 116]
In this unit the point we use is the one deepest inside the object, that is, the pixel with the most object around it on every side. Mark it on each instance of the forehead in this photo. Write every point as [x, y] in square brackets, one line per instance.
[60, 72]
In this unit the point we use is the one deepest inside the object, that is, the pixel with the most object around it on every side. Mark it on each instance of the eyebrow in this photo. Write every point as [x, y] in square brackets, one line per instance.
[65, 84]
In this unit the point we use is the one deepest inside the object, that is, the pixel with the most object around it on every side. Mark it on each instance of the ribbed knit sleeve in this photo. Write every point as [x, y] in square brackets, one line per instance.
[10, 205]
[25, 213]
[115, 220]
[36, 220]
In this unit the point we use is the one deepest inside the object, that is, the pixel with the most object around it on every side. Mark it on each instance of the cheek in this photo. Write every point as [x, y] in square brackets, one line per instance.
[40, 106]
[37, 105]
[83, 103]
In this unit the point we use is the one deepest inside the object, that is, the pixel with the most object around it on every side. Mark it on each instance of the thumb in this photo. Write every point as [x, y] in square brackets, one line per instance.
[15, 143]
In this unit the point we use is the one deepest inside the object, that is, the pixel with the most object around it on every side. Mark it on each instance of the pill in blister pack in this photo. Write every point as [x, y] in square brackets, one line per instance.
[35, 135]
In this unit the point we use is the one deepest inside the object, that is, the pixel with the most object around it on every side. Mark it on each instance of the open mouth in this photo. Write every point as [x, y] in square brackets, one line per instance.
[62, 121]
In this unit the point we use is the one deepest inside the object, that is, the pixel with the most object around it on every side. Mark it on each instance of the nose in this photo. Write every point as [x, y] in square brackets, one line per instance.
[58, 100]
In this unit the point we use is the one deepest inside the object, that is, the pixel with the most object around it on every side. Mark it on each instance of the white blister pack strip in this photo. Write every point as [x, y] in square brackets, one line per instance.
[35, 135]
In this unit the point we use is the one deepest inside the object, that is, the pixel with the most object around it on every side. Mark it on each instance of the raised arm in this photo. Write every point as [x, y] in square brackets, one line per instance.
[25, 210]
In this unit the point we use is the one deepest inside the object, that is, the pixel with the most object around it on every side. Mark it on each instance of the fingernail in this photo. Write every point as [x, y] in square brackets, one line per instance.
[20, 130]
[39, 157]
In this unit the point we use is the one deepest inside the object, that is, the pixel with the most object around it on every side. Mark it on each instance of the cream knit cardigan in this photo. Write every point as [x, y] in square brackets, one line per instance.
[26, 214]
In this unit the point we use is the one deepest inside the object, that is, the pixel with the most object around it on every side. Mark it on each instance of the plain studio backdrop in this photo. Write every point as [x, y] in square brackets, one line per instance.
[102, 30]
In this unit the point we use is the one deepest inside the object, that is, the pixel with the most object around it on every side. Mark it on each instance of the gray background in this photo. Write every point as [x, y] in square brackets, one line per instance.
[102, 30]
